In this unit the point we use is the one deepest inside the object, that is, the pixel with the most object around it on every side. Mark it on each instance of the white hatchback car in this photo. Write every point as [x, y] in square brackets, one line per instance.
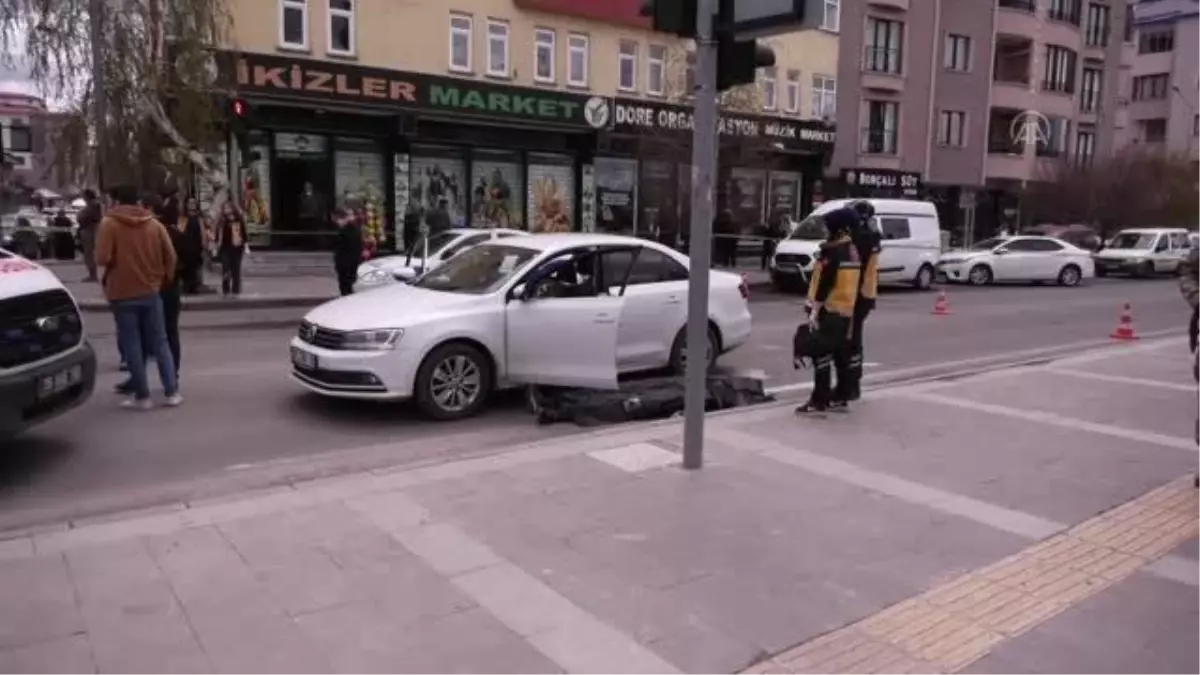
[1020, 258]
[422, 257]
[571, 310]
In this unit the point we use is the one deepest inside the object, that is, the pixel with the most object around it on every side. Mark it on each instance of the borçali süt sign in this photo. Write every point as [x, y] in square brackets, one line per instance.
[640, 117]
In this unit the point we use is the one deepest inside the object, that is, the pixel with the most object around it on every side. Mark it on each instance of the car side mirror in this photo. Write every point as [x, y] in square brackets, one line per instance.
[1001, 251]
[404, 275]
[519, 292]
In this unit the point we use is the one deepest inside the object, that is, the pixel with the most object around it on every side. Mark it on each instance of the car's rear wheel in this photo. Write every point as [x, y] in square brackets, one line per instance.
[980, 275]
[925, 278]
[1070, 275]
[679, 350]
[453, 382]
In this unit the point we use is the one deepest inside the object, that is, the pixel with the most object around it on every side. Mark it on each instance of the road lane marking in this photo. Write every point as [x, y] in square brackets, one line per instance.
[1121, 379]
[1072, 423]
[957, 623]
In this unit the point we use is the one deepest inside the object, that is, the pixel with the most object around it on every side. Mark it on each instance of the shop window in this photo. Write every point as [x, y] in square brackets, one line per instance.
[497, 54]
[20, 139]
[551, 194]
[824, 97]
[293, 24]
[745, 191]
[656, 61]
[341, 27]
[627, 66]
[439, 174]
[543, 55]
[770, 90]
[577, 60]
[460, 43]
[658, 202]
[792, 92]
[497, 190]
[358, 176]
[952, 128]
[783, 195]
[616, 194]
[831, 19]
[957, 55]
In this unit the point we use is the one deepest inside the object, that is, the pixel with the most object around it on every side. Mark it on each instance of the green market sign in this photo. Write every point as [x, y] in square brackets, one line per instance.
[278, 76]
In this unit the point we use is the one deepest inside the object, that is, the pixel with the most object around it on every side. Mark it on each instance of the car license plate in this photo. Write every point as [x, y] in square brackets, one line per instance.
[59, 382]
[304, 360]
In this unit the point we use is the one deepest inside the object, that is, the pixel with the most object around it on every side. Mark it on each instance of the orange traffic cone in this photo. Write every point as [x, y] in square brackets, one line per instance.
[942, 306]
[1124, 329]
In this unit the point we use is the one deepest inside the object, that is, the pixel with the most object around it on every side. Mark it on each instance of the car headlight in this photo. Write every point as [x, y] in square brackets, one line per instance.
[374, 275]
[380, 339]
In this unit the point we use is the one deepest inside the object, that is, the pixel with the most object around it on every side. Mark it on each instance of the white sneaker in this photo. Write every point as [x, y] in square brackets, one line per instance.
[174, 400]
[132, 403]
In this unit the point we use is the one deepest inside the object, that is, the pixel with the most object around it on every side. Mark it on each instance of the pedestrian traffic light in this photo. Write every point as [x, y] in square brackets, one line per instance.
[239, 108]
[672, 16]
[738, 61]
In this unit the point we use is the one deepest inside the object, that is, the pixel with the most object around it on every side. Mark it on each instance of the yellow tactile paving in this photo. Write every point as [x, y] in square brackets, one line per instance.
[951, 626]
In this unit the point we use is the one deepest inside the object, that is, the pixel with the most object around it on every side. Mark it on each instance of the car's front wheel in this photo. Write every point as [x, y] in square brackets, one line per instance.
[980, 275]
[679, 350]
[1070, 275]
[453, 382]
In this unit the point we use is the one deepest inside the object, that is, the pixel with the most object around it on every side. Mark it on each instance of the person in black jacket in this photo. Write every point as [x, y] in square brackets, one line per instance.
[347, 250]
[193, 227]
[412, 227]
[231, 247]
[869, 244]
[89, 222]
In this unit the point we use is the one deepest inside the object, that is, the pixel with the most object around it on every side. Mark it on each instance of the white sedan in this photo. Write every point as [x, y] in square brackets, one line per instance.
[1021, 258]
[422, 257]
[571, 310]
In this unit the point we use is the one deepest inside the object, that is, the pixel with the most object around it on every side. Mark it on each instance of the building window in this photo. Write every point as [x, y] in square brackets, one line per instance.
[20, 139]
[627, 66]
[884, 44]
[656, 72]
[1060, 70]
[497, 54]
[1098, 25]
[293, 24]
[1151, 87]
[460, 43]
[1056, 141]
[832, 18]
[577, 60]
[1155, 130]
[1066, 10]
[543, 55]
[1156, 42]
[769, 91]
[952, 128]
[880, 135]
[792, 92]
[341, 27]
[958, 53]
[1089, 94]
[1085, 147]
[824, 97]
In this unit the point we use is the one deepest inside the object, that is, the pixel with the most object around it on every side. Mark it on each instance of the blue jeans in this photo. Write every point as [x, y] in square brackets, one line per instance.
[141, 319]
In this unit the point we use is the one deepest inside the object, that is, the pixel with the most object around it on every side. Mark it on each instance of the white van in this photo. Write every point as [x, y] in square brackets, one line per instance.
[47, 366]
[912, 242]
[1143, 252]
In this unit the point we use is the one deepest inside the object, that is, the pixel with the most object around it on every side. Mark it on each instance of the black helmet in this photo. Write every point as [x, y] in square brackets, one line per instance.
[840, 220]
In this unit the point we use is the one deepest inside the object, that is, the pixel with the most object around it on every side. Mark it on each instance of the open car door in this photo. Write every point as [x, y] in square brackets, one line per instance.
[561, 323]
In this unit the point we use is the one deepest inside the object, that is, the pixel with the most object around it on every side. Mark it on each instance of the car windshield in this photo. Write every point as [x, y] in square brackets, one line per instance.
[437, 242]
[477, 270]
[1132, 240]
[988, 244]
[811, 228]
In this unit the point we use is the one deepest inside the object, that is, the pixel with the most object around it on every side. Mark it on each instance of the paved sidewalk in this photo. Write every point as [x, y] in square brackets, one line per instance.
[1038, 519]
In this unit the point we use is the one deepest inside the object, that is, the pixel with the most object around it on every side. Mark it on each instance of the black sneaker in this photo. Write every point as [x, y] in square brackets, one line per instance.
[838, 406]
[811, 407]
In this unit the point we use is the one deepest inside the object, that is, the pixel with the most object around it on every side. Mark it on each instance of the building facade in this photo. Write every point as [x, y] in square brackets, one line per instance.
[965, 101]
[27, 157]
[1161, 78]
[548, 115]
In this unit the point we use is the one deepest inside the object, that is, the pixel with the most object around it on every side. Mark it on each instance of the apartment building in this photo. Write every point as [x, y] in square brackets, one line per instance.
[1161, 78]
[538, 114]
[965, 101]
[23, 129]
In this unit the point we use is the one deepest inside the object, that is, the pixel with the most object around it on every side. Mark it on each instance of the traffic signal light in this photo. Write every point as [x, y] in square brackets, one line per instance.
[738, 61]
[677, 17]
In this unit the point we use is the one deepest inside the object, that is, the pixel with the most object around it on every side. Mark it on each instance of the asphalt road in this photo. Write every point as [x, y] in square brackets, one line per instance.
[242, 410]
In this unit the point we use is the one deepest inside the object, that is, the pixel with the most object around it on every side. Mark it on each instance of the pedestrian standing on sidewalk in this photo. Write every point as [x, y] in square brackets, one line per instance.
[231, 248]
[136, 252]
[412, 227]
[869, 244]
[723, 228]
[772, 233]
[832, 295]
[193, 226]
[347, 250]
[89, 220]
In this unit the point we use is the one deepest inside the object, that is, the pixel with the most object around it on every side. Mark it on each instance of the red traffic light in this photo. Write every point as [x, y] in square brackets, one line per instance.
[239, 108]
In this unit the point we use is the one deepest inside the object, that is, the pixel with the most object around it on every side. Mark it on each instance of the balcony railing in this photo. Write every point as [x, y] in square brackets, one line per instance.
[1002, 145]
[1066, 14]
[882, 60]
[876, 141]
[1058, 87]
[1019, 80]
[1022, 5]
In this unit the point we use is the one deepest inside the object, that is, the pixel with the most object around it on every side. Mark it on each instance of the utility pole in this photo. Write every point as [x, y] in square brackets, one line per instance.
[96, 17]
[704, 162]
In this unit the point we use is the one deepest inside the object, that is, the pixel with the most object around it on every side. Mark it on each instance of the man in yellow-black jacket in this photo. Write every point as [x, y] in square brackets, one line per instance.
[832, 296]
[869, 243]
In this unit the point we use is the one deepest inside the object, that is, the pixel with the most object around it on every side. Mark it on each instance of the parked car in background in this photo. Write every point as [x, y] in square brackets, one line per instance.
[1143, 252]
[912, 242]
[404, 267]
[1083, 236]
[26, 232]
[571, 310]
[1017, 259]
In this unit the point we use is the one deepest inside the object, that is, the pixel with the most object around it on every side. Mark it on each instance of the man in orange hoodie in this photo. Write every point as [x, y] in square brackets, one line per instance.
[138, 259]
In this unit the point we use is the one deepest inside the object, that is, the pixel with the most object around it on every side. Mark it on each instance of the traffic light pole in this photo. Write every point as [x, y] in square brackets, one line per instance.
[704, 164]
